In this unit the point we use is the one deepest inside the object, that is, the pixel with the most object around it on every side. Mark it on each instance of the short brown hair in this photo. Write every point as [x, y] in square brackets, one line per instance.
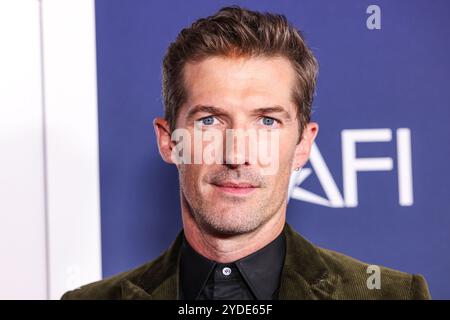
[234, 31]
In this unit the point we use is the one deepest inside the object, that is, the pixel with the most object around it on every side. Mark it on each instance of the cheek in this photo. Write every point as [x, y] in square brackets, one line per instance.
[193, 178]
[287, 151]
[277, 184]
[188, 174]
[274, 153]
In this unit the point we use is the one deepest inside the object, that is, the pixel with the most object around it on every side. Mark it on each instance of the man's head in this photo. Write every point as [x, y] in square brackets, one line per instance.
[239, 70]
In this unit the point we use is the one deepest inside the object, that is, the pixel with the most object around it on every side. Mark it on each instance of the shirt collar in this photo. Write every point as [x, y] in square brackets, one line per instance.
[261, 270]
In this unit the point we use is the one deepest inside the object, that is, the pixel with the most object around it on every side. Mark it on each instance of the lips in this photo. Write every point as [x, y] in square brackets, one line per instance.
[235, 185]
[235, 188]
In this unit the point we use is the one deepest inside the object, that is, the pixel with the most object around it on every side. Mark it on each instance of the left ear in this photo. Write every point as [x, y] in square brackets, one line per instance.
[303, 148]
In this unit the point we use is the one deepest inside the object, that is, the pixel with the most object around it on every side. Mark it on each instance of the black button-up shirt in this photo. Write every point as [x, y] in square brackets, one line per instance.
[256, 276]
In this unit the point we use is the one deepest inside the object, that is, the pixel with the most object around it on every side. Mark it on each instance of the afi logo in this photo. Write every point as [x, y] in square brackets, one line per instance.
[351, 165]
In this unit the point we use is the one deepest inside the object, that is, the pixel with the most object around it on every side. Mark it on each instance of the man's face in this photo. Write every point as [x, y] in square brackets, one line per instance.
[249, 94]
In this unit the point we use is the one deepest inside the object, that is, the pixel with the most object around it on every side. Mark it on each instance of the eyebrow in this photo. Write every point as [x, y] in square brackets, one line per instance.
[206, 109]
[274, 109]
[219, 111]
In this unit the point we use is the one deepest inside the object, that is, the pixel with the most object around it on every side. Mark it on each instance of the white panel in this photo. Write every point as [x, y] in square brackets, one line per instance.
[72, 143]
[22, 205]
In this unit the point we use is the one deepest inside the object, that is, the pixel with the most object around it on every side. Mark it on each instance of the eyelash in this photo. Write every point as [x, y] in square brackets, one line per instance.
[276, 120]
[201, 119]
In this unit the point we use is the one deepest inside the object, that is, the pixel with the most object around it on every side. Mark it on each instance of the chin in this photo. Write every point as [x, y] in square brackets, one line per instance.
[231, 223]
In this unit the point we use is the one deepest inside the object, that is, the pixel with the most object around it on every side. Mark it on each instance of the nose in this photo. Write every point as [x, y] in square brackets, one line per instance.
[236, 147]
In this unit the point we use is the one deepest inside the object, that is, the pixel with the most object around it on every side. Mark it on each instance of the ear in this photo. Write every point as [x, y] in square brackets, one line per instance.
[163, 137]
[303, 148]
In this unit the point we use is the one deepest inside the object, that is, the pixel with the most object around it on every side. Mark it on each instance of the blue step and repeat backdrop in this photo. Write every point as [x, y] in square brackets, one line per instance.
[383, 94]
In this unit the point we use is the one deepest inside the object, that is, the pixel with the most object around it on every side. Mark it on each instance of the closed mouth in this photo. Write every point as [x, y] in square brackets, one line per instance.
[236, 188]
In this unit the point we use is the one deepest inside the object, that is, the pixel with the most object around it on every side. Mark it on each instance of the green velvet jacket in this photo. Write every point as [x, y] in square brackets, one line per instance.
[309, 272]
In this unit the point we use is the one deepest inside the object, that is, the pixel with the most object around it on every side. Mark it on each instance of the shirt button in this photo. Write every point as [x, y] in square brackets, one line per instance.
[226, 271]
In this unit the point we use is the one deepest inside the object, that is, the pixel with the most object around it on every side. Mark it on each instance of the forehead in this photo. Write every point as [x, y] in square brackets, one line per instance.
[240, 82]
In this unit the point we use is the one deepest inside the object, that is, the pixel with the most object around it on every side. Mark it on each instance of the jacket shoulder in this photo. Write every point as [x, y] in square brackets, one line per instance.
[109, 288]
[360, 280]
[137, 283]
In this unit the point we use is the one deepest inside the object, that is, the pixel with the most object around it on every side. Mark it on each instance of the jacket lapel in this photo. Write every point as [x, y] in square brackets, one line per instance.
[305, 275]
[131, 291]
[161, 279]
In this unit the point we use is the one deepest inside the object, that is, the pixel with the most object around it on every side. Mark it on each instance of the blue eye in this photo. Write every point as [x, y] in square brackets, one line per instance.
[267, 121]
[207, 121]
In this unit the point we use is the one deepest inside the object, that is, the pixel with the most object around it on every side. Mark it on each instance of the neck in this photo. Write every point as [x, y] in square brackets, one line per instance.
[230, 248]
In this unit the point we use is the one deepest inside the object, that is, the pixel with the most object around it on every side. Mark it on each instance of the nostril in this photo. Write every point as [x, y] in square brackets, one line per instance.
[235, 159]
